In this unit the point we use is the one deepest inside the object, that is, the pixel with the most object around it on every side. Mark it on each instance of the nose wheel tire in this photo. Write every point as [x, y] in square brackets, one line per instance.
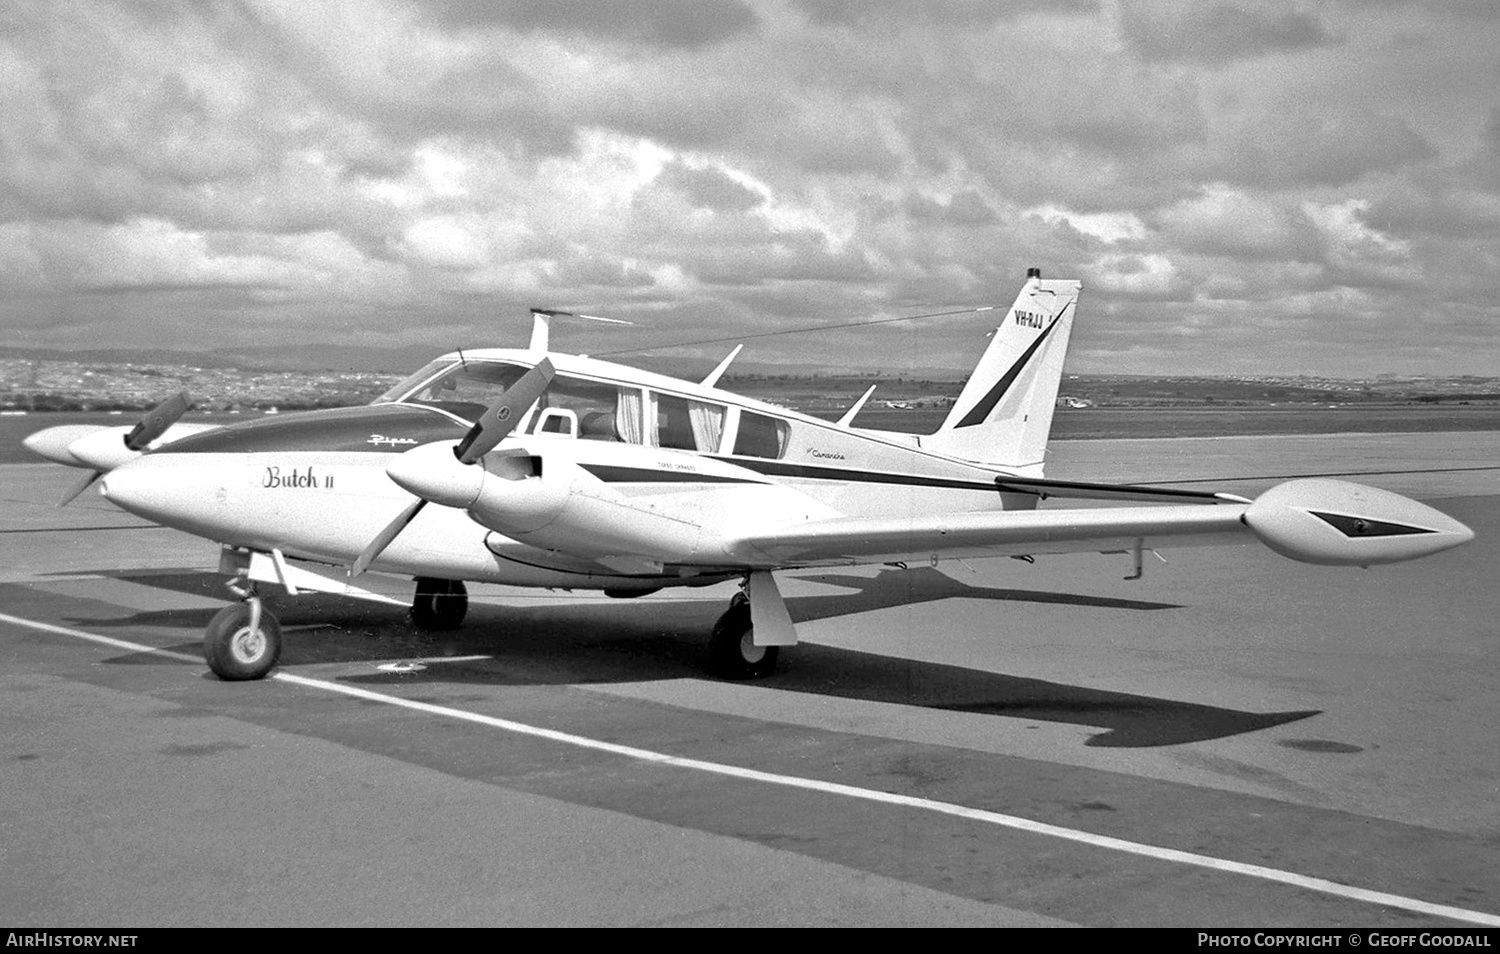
[732, 653]
[439, 605]
[238, 646]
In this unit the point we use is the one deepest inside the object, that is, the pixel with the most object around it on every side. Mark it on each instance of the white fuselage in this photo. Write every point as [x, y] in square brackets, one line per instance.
[601, 513]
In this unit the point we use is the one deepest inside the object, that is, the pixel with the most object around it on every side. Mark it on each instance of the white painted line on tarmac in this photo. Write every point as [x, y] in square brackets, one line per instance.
[1013, 822]
[96, 638]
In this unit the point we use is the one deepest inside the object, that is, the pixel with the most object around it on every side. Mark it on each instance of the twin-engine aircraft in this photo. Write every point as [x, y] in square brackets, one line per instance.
[534, 468]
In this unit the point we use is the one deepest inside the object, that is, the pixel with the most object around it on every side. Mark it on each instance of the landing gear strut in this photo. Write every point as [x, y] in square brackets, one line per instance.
[243, 640]
[439, 605]
[732, 653]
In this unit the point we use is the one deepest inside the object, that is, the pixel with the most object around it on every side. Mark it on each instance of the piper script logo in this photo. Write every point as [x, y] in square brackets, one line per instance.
[378, 439]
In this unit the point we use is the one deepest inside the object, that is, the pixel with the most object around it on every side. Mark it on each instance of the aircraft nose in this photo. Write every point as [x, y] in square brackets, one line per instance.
[129, 488]
[52, 443]
[150, 488]
[433, 473]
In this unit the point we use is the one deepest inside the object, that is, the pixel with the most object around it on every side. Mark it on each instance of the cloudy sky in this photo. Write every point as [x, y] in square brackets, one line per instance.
[1267, 187]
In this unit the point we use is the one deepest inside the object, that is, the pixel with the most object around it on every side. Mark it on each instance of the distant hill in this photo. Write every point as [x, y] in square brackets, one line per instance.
[328, 357]
[270, 358]
[809, 386]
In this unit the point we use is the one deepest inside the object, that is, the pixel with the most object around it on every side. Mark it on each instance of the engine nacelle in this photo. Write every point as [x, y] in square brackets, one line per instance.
[103, 449]
[52, 443]
[520, 505]
[568, 509]
[1335, 522]
[630, 506]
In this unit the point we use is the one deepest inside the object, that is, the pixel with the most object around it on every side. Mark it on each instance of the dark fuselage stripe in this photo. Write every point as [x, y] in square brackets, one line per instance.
[612, 474]
[1045, 488]
[774, 468]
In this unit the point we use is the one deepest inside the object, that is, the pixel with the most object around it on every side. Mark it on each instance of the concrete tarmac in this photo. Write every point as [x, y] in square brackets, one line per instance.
[1236, 740]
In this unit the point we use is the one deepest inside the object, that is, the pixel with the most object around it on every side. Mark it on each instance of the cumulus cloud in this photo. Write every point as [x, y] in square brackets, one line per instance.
[217, 173]
[1217, 32]
[960, 14]
[1149, 276]
[1233, 222]
[709, 188]
[668, 23]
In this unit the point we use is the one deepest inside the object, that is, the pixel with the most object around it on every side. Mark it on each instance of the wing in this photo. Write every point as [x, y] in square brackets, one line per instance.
[1002, 533]
[1313, 520]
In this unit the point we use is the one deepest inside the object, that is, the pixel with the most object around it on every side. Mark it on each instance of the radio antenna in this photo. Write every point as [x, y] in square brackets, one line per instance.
[797, 331]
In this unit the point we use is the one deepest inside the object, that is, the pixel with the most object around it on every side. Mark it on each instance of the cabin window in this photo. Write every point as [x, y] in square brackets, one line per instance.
[465, 388]
[682, 424]
[600, 412]
[760, 436]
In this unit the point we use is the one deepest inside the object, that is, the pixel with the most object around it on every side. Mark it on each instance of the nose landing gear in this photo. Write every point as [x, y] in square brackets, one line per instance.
[243, 640]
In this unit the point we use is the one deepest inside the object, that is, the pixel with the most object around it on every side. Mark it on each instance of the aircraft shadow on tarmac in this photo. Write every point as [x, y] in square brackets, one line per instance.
[630, 641]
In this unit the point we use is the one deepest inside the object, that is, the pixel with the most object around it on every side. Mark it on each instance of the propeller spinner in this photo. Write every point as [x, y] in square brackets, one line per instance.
[152, 425]
[493, 426]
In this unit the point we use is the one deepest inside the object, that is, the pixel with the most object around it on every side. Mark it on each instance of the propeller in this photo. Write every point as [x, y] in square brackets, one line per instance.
[493, 426]
[152, 425]
[157, 420]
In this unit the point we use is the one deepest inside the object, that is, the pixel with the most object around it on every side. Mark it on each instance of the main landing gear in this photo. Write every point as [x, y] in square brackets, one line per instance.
[732, 653]
[243, 640]
[439, 605]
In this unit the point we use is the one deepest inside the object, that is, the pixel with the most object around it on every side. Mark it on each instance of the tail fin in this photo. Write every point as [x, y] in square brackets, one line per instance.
[1004, 413]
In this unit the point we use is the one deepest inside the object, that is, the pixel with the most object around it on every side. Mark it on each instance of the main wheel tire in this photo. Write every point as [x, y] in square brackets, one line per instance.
[732, 653]
[234, 651]
[439, 605]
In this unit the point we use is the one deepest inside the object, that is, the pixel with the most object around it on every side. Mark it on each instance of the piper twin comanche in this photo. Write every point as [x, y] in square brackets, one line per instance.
[539, 469]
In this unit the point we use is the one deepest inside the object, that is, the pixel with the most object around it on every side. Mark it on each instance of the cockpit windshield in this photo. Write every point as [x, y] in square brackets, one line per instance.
[464, 388]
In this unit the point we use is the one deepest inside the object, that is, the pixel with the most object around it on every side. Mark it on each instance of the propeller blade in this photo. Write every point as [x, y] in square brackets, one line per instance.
[156, 421]
[497, 421]
[80, 487]
[384, 538]
[500, 418]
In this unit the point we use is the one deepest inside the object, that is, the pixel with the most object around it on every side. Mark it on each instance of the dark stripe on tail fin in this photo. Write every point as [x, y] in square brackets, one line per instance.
[1003, 415]
[992, 397]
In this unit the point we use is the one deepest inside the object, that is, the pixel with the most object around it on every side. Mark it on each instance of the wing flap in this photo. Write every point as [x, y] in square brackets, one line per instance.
[855, 540]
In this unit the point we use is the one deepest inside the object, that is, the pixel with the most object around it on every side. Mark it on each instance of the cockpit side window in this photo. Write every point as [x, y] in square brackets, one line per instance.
[761, 436]
[604, 412]
[410, 383]
[464, 389]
